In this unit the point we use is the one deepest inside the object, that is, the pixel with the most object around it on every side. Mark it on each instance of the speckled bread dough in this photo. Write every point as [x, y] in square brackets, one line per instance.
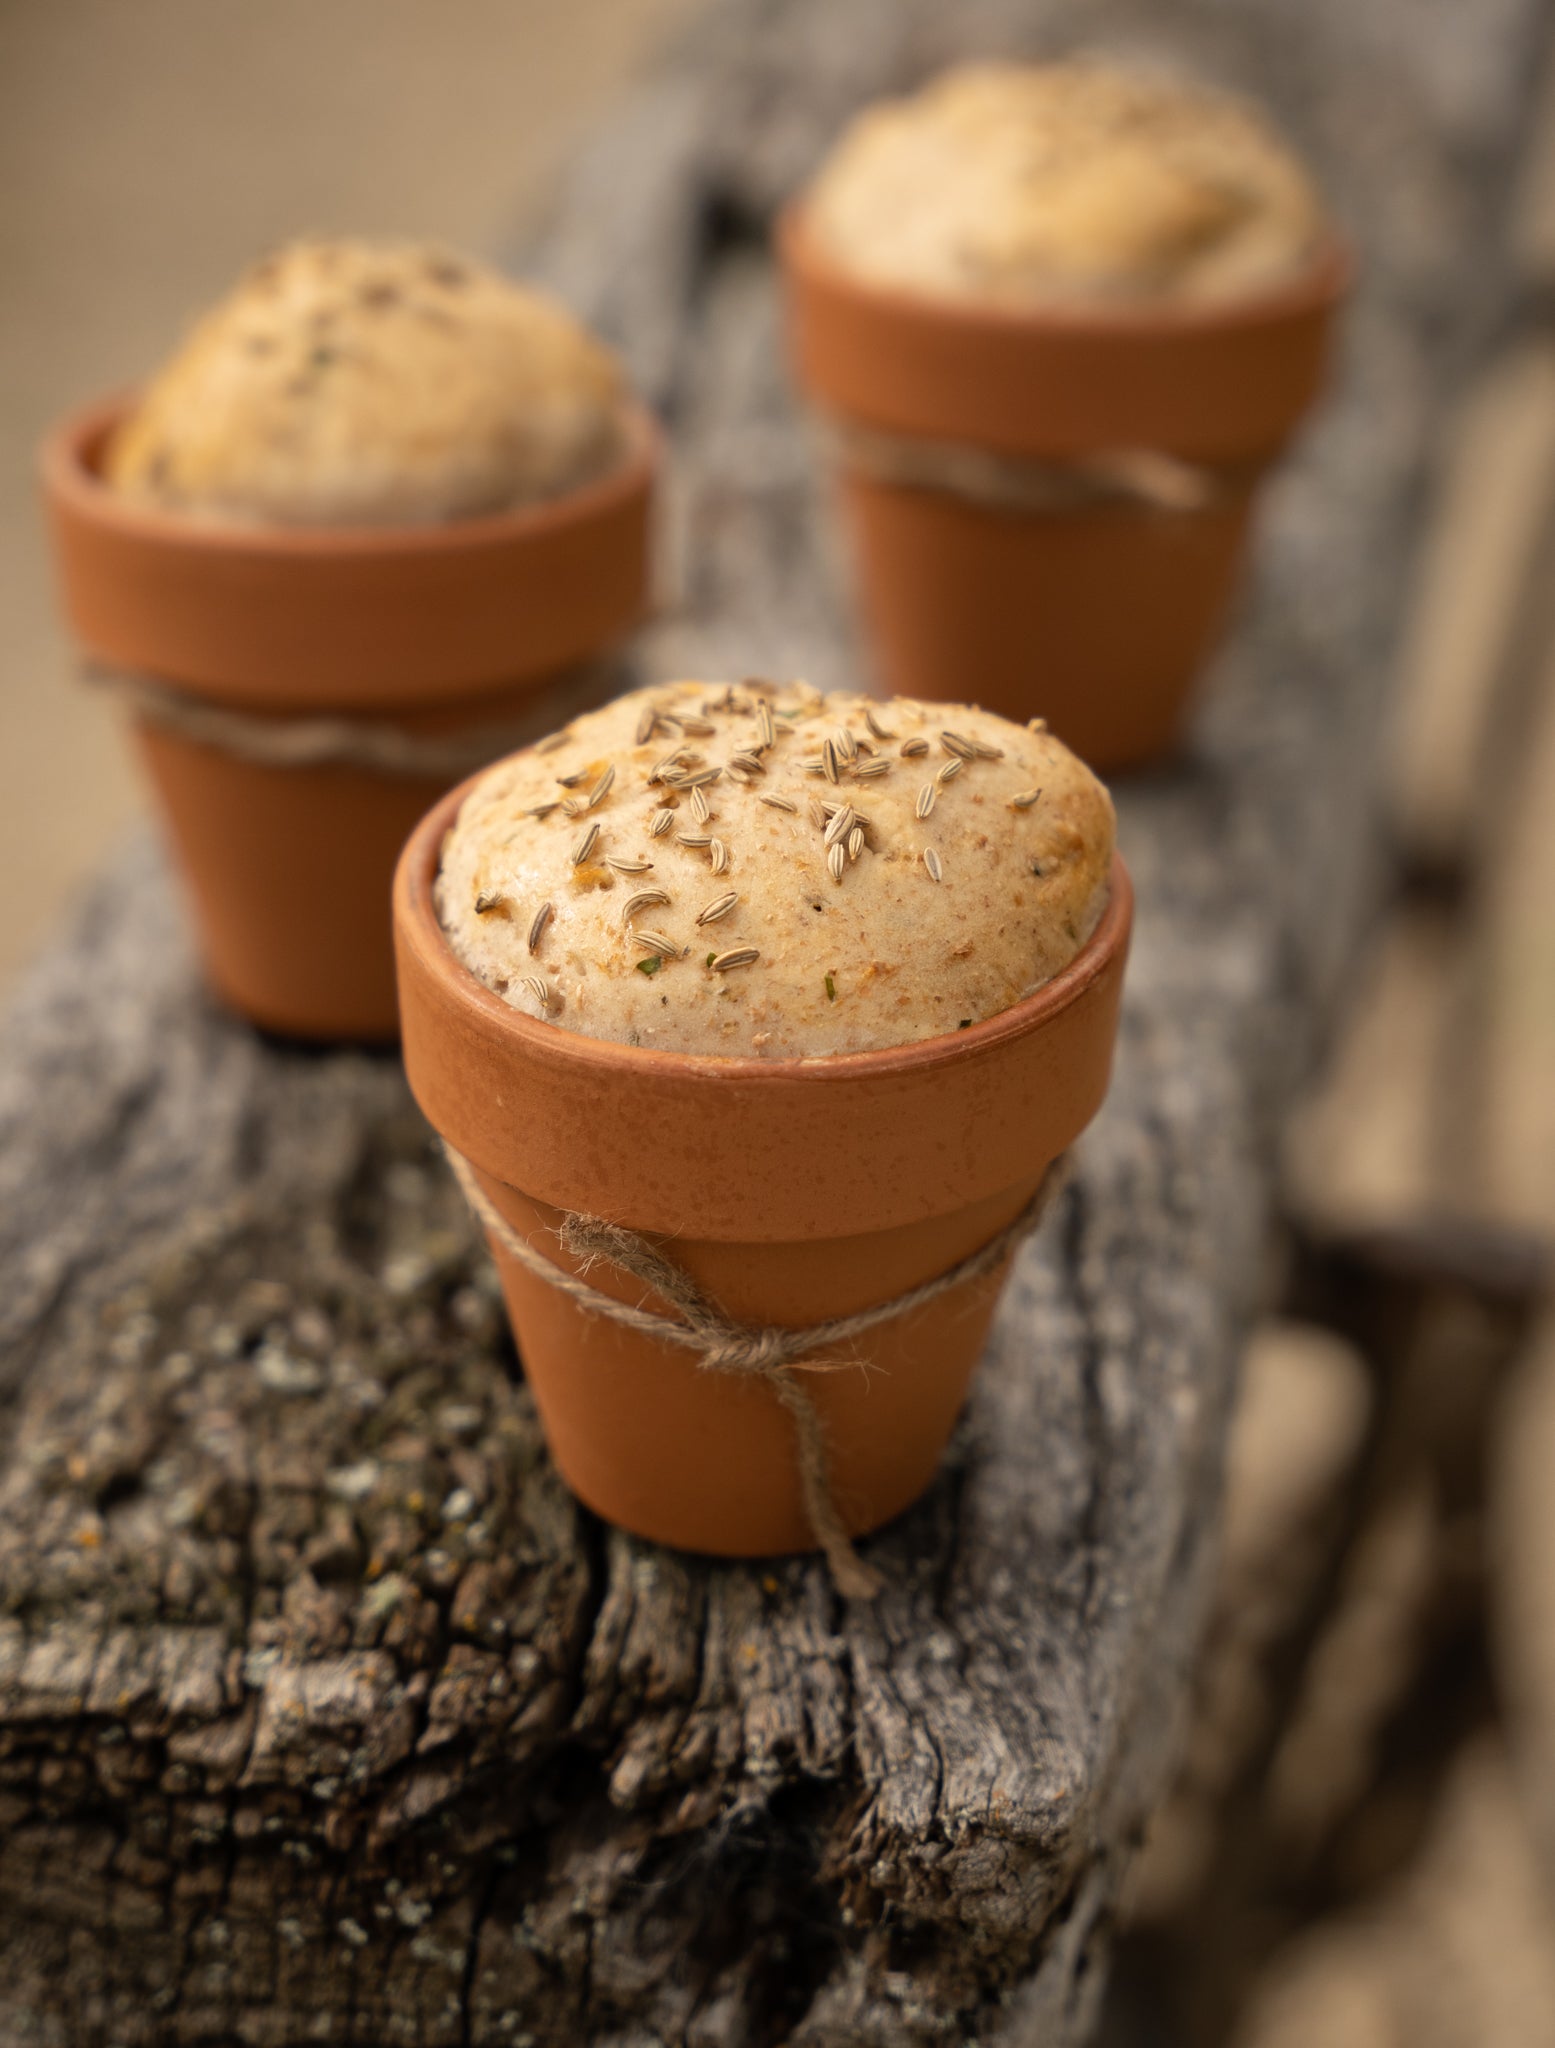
[660, 874]
[363, 383]
[1035, 183]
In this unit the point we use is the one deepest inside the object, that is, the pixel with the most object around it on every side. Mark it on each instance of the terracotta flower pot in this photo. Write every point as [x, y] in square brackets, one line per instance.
[1096, 611]
[431, 630]
[789, 1190]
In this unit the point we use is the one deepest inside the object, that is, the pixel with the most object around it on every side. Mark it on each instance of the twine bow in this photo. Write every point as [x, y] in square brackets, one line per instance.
[763, 1351]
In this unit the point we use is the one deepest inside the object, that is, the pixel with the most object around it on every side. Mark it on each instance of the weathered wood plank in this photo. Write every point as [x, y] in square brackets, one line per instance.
[324, 1713]
[1379, 1144]
[1522, 1546]
[1534, 215]
[1479, 607]
[1513, 968]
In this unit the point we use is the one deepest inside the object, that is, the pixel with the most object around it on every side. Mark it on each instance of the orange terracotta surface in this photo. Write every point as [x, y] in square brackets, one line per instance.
[343, 619]
[288, 874]
[1097, 617]
[1096, 620]
[790, 1191]
[472, 625]
[1219, 383]
[705, 1461]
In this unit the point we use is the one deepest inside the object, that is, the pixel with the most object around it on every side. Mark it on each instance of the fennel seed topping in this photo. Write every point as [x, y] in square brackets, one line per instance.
[644, 899]
[719, 907]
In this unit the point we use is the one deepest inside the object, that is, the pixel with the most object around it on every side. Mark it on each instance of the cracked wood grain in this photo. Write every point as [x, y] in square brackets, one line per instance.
[324, 1712]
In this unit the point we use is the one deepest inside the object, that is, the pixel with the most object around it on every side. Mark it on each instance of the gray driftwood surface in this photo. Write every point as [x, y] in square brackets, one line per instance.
[325, 1715]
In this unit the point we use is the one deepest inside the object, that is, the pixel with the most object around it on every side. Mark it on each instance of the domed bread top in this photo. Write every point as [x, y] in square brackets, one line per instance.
[1035, 184]
[372, 384]
[758, 870]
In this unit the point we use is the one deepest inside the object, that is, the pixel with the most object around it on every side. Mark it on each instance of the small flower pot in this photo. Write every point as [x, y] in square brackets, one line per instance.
[1096, 610]
[789, 1190]
[432, 631]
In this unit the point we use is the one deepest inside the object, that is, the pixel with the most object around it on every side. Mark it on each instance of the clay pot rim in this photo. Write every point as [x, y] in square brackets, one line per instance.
[1323, 282]
[70, 476]
[494, 1019]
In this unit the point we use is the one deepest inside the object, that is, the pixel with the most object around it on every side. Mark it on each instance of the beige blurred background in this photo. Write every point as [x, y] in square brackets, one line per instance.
[148, 149]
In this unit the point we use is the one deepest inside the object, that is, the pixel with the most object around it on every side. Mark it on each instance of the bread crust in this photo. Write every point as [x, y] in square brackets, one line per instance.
[1032, 184]
[347, 383]
[854, 950]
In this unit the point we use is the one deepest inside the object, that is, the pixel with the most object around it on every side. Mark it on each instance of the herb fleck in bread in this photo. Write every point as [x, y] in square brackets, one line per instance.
[763, 871]
[372, 384]
[1030, 184]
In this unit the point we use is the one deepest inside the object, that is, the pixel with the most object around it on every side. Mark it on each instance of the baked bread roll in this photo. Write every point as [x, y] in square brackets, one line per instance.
[347, 383]
[1038, 184]
[764, 871]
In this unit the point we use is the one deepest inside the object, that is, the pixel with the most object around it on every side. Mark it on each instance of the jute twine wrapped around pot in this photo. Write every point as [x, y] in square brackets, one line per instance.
[763, 1351]
[1139, 477]
[281, 742]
